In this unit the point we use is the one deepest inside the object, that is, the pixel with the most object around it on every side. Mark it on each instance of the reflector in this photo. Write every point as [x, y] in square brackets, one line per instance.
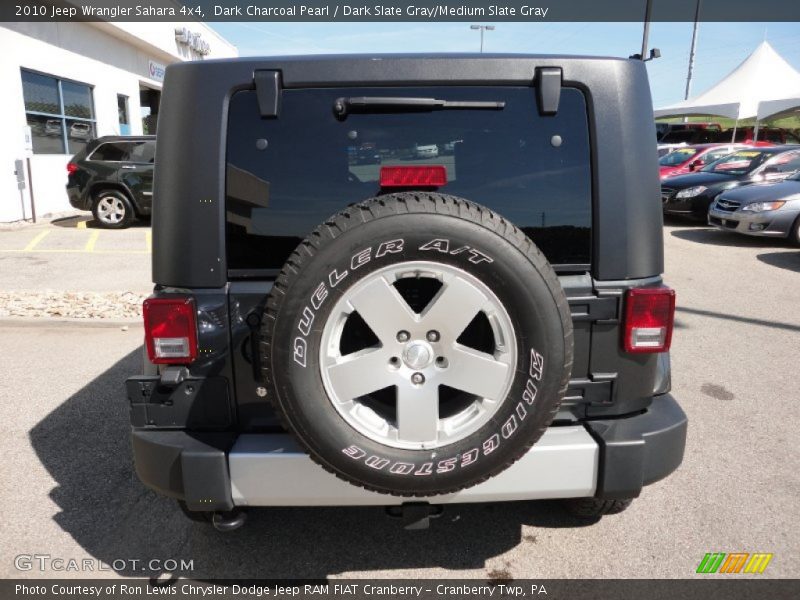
[71, 168]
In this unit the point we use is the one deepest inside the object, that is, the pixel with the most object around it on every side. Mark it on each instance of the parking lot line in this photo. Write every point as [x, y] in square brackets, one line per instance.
[148, 240]
[73, 251]
[89, 247]
[33, 243]
[81, 225]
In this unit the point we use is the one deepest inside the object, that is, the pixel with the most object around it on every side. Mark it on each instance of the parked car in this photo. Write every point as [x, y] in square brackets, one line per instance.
[113, 177]
[768, 210]
[667, 133]
[691, 136]
[53, 127]
[80, 131]
[426, 150]
[691, 158]
[690, 195]
[766, 136]
[414, 348]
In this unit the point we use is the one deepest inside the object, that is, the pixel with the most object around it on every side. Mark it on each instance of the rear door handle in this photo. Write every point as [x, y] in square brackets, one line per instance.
[128, 166]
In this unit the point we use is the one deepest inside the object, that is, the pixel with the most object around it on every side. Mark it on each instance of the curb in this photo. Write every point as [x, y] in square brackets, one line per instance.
[70, 322]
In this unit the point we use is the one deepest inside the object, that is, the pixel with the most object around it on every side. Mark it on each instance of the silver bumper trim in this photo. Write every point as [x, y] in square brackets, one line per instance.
[272, 470]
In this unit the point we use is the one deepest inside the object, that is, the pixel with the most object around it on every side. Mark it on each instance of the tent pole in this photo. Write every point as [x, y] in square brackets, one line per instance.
[735, 125]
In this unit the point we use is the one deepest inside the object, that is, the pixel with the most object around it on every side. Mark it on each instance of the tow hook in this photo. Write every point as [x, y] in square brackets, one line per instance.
[415, 515]
[229, 519]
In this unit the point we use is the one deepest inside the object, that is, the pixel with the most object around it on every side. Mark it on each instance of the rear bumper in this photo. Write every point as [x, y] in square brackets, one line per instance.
[77, 198]
[217, 471]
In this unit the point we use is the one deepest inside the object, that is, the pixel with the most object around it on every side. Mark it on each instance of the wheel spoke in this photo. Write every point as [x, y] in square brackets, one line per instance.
[417, 412]
[359, 374]
[454, 307]
[475, 372]
[383, 309]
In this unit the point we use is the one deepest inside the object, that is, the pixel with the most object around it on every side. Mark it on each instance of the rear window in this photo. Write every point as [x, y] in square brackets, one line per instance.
[287, 175]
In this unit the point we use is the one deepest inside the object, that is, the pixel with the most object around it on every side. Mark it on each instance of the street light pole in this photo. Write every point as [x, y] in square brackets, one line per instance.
[482, 28]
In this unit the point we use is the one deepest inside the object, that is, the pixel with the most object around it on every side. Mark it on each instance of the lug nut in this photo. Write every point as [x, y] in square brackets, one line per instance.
[403, 336]
[418, 378]
[433, 336]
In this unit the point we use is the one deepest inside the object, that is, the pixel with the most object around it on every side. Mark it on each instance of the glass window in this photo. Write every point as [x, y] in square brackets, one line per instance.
[122, 109]
[40, 93]
[677, 157]
[738, 163]
[143, 152]
[713, 155]
[77, 100]
[47, 134]
[112, 151]
[788, 162]
[315, 164]
[60, 113]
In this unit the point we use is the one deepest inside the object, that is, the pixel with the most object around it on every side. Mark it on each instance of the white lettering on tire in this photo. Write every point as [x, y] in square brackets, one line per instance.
[390, 247]
[305, 321]
[360, 259]
[319, 295]
[299, 351]
[300, 344]
[442, 245]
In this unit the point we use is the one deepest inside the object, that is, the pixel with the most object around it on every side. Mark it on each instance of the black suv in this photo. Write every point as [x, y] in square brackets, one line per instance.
[113, 177]
[484, 322]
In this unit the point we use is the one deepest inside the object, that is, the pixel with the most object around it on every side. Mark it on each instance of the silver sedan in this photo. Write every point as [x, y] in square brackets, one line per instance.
[768, 210]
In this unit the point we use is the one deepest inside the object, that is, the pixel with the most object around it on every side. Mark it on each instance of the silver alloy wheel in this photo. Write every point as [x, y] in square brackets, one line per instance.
[416, 354]
[110, 210]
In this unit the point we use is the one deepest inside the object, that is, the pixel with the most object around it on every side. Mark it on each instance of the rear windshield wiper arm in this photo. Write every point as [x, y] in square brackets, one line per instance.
[365, 104]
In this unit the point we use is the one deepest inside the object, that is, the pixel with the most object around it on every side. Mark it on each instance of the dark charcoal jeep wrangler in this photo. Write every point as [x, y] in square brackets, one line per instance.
[473, 312]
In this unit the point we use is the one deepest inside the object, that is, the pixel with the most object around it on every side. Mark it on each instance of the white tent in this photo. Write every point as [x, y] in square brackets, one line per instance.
[763, 76]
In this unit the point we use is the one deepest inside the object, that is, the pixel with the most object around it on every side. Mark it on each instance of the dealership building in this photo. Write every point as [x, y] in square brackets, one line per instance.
[66, 83]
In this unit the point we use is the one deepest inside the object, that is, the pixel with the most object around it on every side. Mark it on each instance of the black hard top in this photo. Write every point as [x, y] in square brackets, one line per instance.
[189, 207]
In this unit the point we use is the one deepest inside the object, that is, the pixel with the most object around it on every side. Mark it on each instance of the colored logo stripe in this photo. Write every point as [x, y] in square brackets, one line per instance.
[711, 562]
[734, 563]
[757, 563]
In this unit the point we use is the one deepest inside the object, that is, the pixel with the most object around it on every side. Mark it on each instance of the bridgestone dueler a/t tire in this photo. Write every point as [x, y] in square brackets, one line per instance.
[456, 234]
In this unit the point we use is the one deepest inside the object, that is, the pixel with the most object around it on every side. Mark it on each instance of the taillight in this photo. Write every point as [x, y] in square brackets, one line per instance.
[421, 176]
[170, 330]
[649, 316]
[71, 168]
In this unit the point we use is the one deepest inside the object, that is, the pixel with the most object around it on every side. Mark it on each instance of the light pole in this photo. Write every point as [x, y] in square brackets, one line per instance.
[482, 28]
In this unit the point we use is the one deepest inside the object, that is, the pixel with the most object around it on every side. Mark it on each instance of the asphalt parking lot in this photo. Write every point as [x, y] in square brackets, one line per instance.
[72, 254]
[69, 489]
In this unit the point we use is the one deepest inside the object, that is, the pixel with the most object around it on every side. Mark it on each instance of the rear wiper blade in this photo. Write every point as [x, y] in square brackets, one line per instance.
[364, 104]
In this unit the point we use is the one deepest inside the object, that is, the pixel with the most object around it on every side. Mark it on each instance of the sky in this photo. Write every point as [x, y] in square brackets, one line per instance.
[720, 46]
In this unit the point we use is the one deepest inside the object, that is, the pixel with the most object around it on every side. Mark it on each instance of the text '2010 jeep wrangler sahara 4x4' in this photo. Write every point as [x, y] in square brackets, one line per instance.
[485, 322]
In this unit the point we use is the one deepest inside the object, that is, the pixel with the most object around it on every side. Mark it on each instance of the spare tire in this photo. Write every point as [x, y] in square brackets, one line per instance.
[417, 344]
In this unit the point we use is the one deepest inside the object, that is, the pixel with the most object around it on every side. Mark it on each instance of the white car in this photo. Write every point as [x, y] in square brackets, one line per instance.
[426, 151]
